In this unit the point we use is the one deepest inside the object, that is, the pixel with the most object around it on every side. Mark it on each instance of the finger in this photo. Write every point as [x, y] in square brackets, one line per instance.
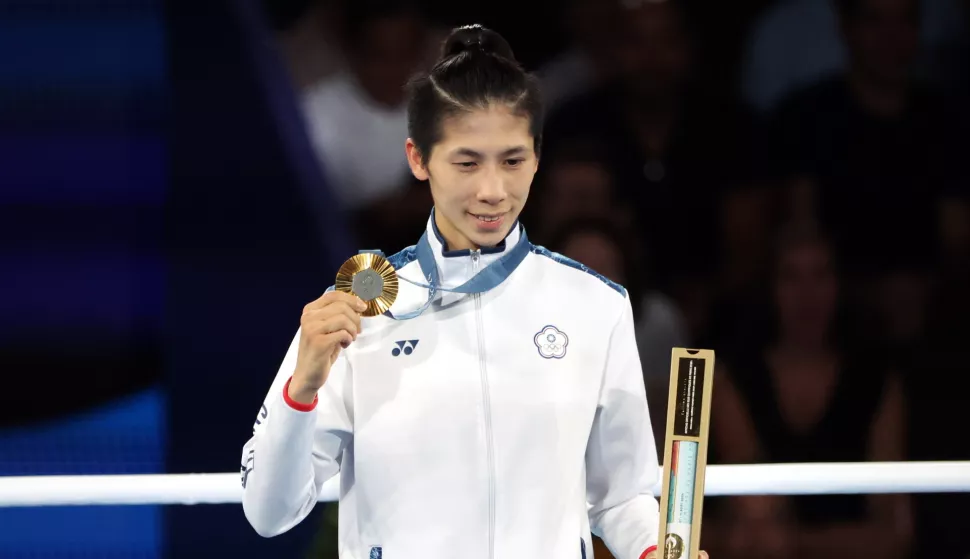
[345, 339]
[319, 316]
[314, 328]
[330, 344]
[337, 307]
[330, 326]
[335, 296]
[703, 555]
[337, 340]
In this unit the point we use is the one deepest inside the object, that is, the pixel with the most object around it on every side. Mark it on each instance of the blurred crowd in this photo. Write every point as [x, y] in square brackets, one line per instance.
[784, 182]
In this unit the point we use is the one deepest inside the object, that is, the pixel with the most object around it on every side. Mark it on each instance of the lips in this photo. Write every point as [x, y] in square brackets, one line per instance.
[488, 222]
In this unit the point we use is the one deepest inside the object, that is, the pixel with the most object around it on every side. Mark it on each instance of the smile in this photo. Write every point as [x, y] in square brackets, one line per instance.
[488, 222]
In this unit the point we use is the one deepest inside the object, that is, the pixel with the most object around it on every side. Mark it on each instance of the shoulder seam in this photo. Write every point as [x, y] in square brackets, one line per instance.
[570, 263]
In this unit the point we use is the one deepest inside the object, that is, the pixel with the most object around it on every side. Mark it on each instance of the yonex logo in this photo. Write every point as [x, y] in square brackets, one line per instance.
[405, 347]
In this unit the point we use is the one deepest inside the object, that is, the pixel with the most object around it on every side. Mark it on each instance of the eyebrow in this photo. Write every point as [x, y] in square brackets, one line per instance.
[468, 152]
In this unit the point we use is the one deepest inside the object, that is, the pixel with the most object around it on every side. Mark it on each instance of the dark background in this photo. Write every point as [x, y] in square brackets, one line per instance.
[164, 215]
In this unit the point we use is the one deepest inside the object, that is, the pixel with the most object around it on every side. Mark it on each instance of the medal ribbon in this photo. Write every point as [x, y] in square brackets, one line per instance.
[492, 275]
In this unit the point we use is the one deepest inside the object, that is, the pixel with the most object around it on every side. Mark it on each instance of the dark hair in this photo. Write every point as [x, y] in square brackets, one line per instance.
[476, 68]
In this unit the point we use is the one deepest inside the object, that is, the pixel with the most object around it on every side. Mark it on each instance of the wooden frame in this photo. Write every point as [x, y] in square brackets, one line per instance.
[688, 428]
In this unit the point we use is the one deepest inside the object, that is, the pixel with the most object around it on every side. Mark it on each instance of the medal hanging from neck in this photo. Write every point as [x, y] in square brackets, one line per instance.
[371, 277]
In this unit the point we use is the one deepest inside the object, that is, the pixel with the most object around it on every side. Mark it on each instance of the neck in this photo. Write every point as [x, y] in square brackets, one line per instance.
[879, 99]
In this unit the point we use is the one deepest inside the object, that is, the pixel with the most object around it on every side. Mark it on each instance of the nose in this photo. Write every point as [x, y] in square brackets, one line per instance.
[491, 190]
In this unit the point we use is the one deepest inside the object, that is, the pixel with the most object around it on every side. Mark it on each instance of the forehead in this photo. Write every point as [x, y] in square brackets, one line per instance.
[495, 128]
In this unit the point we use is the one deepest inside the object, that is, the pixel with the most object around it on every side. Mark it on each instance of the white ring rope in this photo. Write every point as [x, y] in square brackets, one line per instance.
[753, 479]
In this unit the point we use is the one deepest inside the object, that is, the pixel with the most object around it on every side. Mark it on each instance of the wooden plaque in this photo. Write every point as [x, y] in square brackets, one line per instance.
[685, 452]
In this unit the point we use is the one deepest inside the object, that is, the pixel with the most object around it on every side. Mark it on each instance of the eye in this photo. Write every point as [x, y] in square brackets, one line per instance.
[466, 164]
[514, 162]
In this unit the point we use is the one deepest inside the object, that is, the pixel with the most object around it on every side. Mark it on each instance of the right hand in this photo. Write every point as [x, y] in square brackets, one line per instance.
[329, 324]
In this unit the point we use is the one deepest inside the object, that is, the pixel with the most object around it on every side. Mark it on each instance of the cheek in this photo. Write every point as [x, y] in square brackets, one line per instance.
[521, 182]
[449, 186]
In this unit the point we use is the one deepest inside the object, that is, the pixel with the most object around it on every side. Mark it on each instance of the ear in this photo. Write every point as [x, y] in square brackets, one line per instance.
[418, 168]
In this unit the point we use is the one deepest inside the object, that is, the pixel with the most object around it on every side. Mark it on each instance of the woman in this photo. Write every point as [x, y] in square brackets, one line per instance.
[811, 394]
[506, 416]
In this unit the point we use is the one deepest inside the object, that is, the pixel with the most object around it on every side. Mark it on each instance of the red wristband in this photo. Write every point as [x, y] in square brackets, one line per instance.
[293, 403]
[647, 552]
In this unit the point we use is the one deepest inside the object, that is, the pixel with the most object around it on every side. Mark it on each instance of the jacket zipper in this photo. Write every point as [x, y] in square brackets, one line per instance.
[488, 413]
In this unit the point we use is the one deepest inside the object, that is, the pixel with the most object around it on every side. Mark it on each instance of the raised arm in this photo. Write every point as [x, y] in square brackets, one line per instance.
[306, 420]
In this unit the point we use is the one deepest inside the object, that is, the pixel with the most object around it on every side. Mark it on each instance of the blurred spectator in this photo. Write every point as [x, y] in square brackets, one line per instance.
[591, 58]
[357, 118]
[577, 184]
[797, 42]
[599, 246]
[310, 41]
[676, 151]
[722, 29]
[810, 393]
[874, 156]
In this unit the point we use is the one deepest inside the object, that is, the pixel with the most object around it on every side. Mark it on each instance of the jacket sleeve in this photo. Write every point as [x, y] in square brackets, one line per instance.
[294, 451]
[621, 457]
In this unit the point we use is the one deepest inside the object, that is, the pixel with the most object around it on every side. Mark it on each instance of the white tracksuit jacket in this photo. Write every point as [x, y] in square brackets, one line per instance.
[502, 425]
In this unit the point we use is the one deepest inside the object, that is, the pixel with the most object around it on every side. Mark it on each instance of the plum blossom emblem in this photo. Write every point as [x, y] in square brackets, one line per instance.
[551, 342]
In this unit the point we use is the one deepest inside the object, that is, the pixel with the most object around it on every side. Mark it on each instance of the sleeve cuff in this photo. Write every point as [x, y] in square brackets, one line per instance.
[647, 551]
[293, 403]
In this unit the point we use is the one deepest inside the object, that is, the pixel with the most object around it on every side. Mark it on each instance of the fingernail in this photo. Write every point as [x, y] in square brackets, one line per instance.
[361, 305]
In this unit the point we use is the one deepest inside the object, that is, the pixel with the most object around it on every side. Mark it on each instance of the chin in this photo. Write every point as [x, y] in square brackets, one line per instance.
[487, 240]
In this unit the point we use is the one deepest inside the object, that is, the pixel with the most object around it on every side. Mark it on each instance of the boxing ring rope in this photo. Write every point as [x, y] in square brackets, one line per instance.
[752, 479]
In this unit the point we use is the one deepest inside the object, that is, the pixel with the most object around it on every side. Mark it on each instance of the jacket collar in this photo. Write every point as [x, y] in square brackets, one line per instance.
[455, 267]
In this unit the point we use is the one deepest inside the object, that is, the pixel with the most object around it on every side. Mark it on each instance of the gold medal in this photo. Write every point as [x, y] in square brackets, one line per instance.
[371, 278]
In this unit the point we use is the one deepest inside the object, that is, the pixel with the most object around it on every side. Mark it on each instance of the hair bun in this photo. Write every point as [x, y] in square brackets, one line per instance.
[476, 38]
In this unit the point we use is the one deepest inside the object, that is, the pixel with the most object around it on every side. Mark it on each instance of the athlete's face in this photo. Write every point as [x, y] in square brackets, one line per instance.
[480, 174]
